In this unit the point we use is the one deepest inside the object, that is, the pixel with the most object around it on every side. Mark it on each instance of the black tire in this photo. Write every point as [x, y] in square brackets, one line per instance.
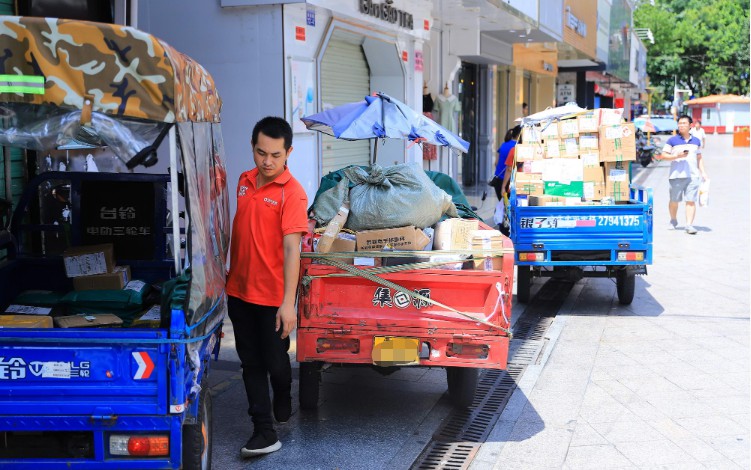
[625, 282]
[462, 382]
[523, 283]
[310, 379]
[197, 438]
[644, 162]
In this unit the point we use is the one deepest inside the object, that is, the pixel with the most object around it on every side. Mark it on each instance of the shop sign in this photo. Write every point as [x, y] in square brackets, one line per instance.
[386, 12]
[575, 23]
[566, 93]
[310, 17]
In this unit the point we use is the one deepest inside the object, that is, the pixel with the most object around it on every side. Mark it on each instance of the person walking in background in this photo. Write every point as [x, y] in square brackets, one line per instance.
[503, 166]
[505, 160]
[683, 150]
[698, 132]
[262, 281]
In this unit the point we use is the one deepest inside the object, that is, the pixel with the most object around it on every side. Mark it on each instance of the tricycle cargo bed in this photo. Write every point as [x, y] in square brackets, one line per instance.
[83, 372]
[341, 318]
[591, 235]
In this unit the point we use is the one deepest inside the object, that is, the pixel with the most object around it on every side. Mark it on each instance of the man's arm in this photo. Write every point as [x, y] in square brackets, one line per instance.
[700, 164]
[286, 316]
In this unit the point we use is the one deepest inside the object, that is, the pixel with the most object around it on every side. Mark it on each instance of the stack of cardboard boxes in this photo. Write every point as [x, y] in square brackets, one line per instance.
[448, 235]
[581, 160]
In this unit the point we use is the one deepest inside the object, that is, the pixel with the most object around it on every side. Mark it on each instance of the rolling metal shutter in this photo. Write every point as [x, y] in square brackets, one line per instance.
[345, 78]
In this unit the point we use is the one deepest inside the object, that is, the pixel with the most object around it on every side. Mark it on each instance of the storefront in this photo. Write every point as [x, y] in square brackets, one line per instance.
[294, 59]
[338, 52]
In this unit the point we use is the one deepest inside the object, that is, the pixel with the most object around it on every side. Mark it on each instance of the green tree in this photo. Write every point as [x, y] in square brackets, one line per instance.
[699, 45]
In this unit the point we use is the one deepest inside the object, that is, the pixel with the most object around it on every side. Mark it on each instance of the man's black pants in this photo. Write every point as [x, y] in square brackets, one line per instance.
[263, 354]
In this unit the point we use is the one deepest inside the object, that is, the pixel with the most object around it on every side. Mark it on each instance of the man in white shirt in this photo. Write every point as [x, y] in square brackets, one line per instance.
[698, 132]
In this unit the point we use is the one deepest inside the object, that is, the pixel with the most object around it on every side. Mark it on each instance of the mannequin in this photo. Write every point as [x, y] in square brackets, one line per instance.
[428, 150]
[446, 106]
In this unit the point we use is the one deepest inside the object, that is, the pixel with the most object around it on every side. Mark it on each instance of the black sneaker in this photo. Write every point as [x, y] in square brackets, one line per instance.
[261, 443]
[282, 409]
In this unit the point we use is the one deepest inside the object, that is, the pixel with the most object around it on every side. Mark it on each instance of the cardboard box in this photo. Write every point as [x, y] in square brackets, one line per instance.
[535, 166]
[563, 170]
[549, 132]
[529, 187]
[529, 152]
[617, 181]
[25, 321]
[487, 240]
[547, 200]
[526, 177]
[531, 135]
[151, 318]
[594, 191]
[568, 128]
[553, 148]
[332, 229]
[591, 158]
[453, 234]
[88, 260]
[617, 143]
[594, 174]
[115, 280]
[342, 243]
[567, 189]
[591, 121]
[94, 320]
[28, 309]
[588, 143]
[402, 238]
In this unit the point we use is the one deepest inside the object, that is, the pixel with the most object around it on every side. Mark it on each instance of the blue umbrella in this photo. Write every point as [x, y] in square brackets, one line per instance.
[381, 116]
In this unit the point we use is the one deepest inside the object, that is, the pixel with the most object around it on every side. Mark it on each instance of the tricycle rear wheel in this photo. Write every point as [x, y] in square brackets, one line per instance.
[523, 283]
[625, 282]
[462, 382]
[310, 378]
[197, 439]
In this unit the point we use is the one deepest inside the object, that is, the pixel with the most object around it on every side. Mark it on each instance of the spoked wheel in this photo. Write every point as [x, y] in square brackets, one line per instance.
[310, 378]
[523, 283]
[462, 382]
[625, 282]
[197, 439]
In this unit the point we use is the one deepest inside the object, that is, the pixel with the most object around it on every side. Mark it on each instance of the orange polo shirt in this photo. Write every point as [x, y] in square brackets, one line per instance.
[264, 216]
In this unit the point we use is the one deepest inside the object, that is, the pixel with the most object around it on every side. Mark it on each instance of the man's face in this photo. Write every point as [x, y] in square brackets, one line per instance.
[270, 156]
[697, 124]
[683, 125]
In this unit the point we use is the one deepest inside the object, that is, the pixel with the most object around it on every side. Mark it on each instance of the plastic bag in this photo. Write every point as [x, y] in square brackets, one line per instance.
[388, 197]
[704, 193]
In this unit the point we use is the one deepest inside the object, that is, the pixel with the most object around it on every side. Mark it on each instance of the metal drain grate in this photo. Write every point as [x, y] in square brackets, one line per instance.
[524, 351]
[532, 328]
[441, 455]
[457, 441]
[455, 444]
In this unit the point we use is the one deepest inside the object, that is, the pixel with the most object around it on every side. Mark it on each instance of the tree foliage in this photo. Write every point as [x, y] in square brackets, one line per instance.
[699, 45]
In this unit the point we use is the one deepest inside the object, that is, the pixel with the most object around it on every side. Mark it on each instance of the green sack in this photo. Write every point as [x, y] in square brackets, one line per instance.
[126, 303]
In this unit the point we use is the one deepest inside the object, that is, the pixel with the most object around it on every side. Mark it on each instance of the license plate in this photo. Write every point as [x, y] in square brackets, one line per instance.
[395, 351]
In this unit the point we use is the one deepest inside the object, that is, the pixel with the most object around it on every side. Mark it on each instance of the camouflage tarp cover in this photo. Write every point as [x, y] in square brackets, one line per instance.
[127, 72]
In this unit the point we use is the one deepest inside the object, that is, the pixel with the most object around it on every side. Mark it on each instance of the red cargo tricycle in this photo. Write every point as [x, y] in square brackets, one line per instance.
[419, 315]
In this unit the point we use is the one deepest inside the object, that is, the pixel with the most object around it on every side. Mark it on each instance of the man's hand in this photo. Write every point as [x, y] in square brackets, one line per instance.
[286, 319]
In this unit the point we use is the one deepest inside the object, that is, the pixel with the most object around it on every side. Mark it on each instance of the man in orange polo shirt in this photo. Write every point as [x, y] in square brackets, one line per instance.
[262, 282]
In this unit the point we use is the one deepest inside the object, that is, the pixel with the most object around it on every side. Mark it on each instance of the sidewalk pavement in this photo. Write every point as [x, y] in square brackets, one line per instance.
[664, 382]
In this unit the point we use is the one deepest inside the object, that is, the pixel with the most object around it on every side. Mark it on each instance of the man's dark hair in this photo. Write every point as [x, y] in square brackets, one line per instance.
[513, 133]
[274, 127]
[686, 116]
